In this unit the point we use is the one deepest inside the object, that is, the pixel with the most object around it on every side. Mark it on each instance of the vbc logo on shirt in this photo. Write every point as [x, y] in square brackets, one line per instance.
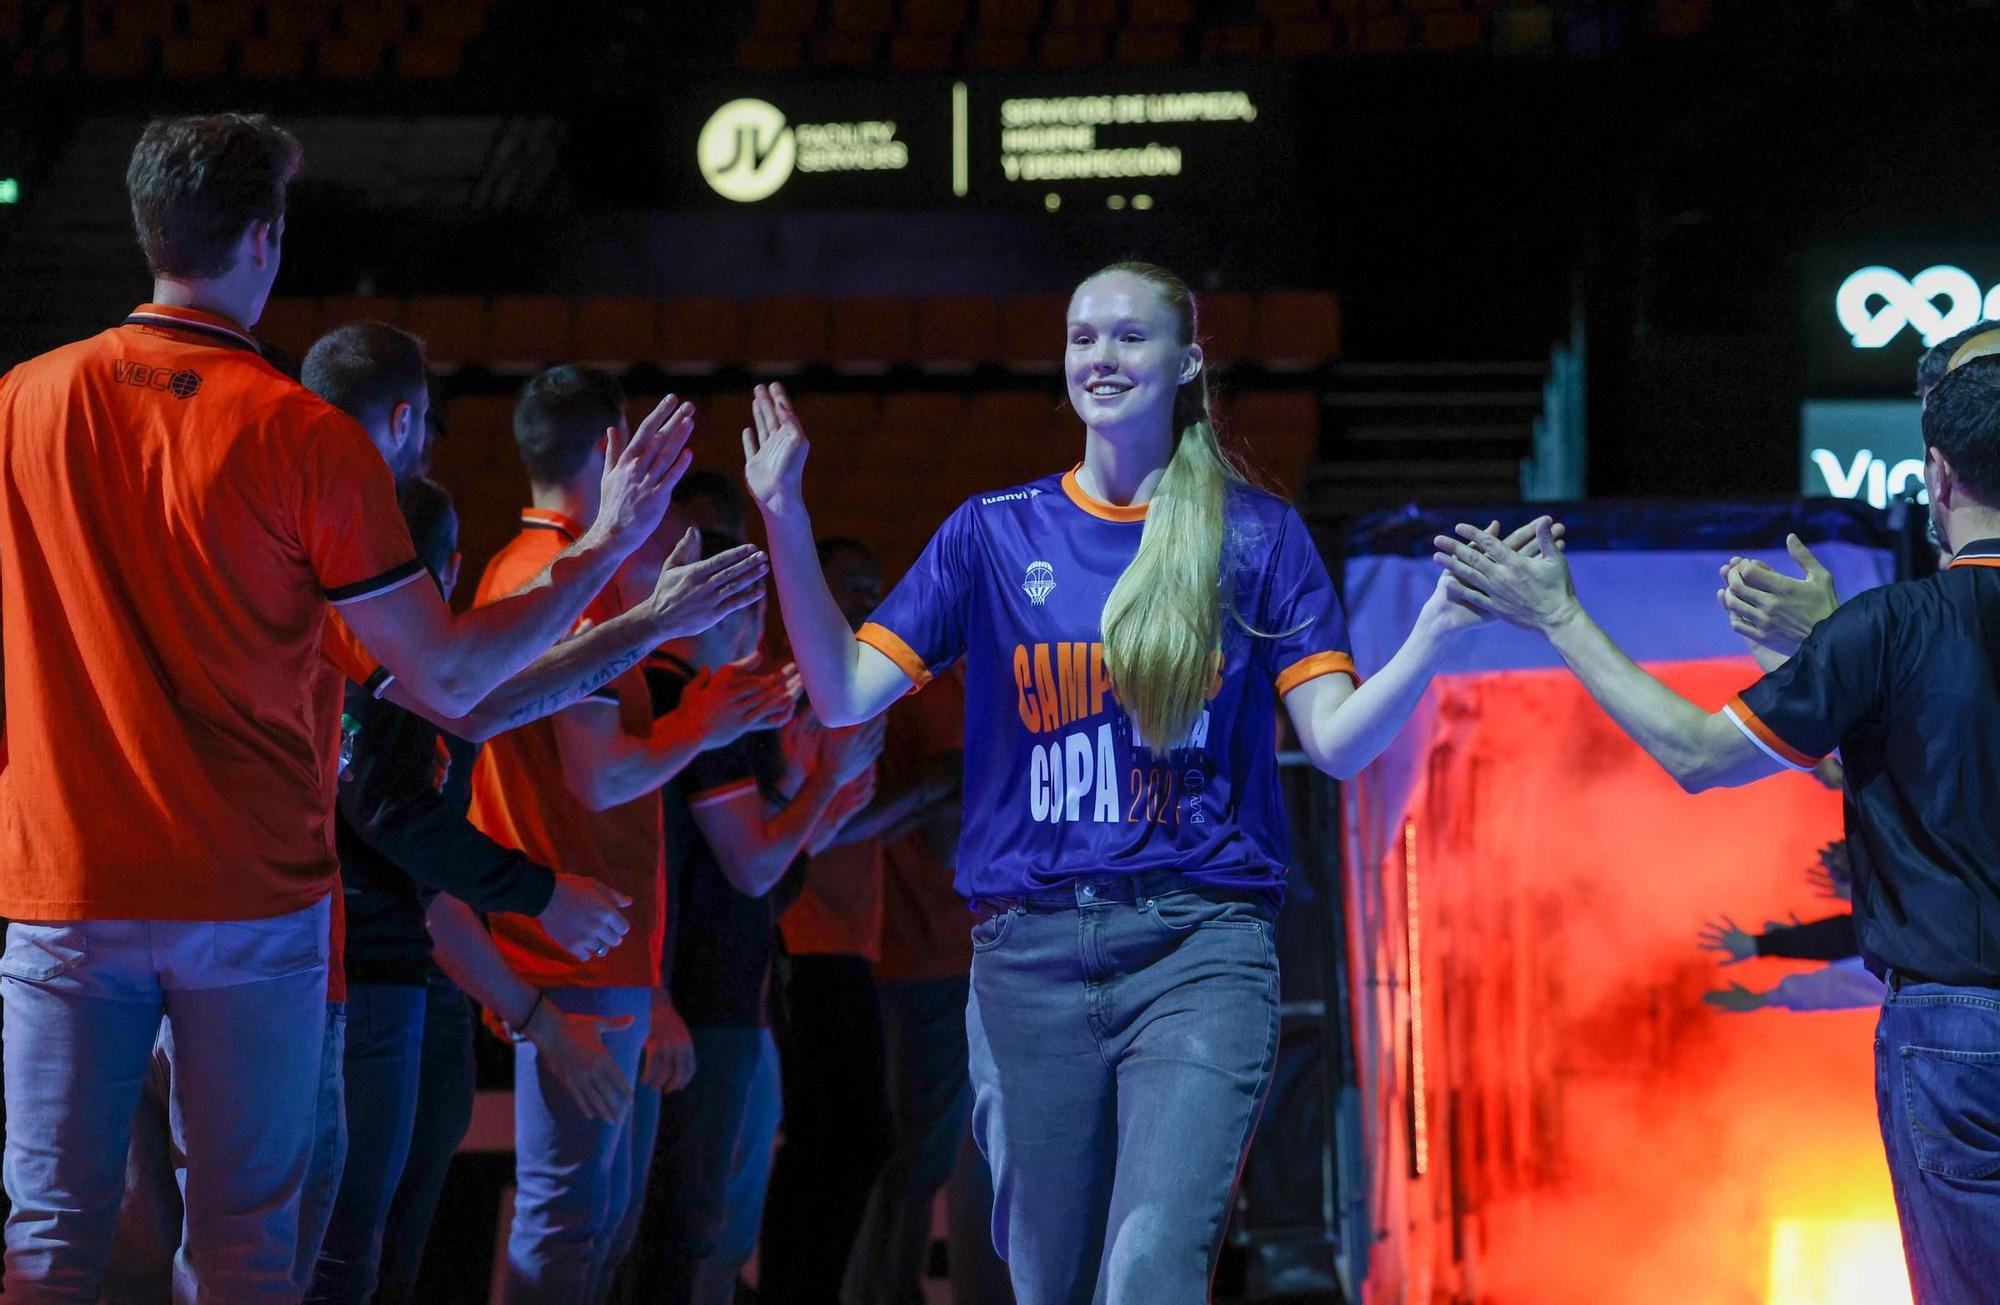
[1039, 583]
[181, 384]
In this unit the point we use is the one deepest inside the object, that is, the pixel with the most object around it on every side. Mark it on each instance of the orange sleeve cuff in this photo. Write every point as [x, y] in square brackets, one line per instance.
[1764, 736]
[890, 644]
[1311, 668]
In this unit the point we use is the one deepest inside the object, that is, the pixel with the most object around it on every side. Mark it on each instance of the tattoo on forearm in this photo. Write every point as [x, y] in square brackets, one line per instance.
[536, 708]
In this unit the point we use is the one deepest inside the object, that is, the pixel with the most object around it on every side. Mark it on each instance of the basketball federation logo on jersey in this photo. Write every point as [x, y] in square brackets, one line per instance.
[1039, 583]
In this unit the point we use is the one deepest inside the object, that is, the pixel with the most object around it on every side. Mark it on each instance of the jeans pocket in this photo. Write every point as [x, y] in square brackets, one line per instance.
[251, 950]
[1952, 1100]
[38, 953]
[1185, 912]
[993, 930]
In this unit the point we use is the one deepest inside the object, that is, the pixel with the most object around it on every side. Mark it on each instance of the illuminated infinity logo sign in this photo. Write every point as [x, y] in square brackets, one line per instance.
[1911, 301]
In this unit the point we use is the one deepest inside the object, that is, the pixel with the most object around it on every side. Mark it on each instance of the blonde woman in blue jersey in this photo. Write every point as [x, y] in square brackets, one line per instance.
[1123, 847]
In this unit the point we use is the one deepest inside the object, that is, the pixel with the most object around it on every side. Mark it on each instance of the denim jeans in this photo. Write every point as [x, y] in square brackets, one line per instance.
[444, 1113]
[930, 1101]
[1122, 1033]
[711, 1165]
[151, 1219]
[573, 1175]
[380, 1069]
[245, 1002]
[1937, 1091]
[839, 1132]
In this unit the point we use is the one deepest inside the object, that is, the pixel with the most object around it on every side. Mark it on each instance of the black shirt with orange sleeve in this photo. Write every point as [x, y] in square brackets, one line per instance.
[519, 799]
[1904, 681]
[176, 516]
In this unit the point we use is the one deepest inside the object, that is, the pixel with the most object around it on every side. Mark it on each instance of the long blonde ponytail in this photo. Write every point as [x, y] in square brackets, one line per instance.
[1163, 620]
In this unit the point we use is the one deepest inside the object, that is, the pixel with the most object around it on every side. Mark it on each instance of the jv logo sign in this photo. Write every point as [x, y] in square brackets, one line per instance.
[747, 151]
[1876, 303]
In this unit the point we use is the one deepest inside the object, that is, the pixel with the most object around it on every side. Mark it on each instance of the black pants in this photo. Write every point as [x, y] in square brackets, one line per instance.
[838, 1128]
[444, 1112]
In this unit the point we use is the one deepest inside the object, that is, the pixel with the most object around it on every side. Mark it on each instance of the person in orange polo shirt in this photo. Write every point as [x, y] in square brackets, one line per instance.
[577, 793]
[176, 519]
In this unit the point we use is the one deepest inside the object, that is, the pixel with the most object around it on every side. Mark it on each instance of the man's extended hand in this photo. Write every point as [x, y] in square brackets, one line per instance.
[692, 594]
[666, 1061]
[1724, 935]
[733, 700]
[1529, 588]
[1736, 998]
[584, 917]
[1772, 609]
[640, 475]
[571, 1048]
[1443, 613]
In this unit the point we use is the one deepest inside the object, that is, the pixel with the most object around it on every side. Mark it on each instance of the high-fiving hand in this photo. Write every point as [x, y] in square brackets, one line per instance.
[1772, 609]
[1444, 613]
[640, 474]
[692, 594]
[774, 452]
[1526, 588]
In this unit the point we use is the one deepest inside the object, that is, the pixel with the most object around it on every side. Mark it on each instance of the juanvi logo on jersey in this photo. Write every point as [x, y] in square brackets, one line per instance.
[1039, 583]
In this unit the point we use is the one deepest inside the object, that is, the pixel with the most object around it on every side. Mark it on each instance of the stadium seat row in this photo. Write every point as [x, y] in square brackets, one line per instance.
[1280, 331]
[1009, 35]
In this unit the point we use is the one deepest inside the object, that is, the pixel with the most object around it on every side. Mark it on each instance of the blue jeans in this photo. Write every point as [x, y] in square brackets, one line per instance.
[152, 1218]
[1937, 1092]
[930, 1100]
[711, 1169]
[444, 1113]
[246, 1004]
[1122, 1033]
[574, 1176]
[380, 1071]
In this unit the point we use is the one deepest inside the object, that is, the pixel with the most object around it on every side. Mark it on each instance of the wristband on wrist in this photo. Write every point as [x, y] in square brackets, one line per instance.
[521, 1029]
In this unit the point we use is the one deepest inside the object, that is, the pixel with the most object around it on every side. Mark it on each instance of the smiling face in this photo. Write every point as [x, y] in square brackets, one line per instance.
[1128, 353]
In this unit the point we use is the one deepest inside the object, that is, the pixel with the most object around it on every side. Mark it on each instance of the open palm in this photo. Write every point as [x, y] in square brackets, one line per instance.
[774, 451]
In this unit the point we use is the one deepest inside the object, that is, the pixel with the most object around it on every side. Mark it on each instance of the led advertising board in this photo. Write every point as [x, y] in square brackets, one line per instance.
[1109, 141]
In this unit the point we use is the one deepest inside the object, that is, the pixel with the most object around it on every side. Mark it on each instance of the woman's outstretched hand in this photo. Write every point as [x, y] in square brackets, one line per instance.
[774, 452]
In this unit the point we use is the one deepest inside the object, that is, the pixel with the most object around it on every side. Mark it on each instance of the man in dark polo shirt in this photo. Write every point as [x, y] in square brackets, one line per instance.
[1904, 681]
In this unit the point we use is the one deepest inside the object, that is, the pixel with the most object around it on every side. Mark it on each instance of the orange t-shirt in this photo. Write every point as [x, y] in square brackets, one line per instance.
[175, 517]
[926, 928]
[519, 798]
[839, 912]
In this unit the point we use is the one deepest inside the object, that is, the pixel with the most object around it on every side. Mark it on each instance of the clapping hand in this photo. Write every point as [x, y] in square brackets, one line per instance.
[1724, 935]
[774, 452]
[1525, 587]
[1770, 608]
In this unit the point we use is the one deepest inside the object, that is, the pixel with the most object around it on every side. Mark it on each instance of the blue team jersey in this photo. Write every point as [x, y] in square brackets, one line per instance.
[1057, 782]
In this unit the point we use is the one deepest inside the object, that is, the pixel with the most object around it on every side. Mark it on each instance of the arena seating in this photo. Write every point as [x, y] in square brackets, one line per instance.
[936, 36]
[1287, 331]
[276, 40]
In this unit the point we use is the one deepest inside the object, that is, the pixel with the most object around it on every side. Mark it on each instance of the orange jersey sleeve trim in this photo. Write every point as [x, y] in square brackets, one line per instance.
[890, 644]
[1764, 736]
[1311, 668]
[723, 794]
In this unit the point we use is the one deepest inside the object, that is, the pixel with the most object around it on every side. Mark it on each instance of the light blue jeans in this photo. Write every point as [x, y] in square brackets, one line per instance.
[245, 1002]
[152, 1219]
[574, 1177]
[1121, 1034]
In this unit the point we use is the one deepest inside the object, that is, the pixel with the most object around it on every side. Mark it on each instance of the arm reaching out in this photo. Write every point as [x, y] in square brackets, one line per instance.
[1699, 749]
[1342, 728]
[847, 680]
[570, 1046]
[691, 596]
[451, 662]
